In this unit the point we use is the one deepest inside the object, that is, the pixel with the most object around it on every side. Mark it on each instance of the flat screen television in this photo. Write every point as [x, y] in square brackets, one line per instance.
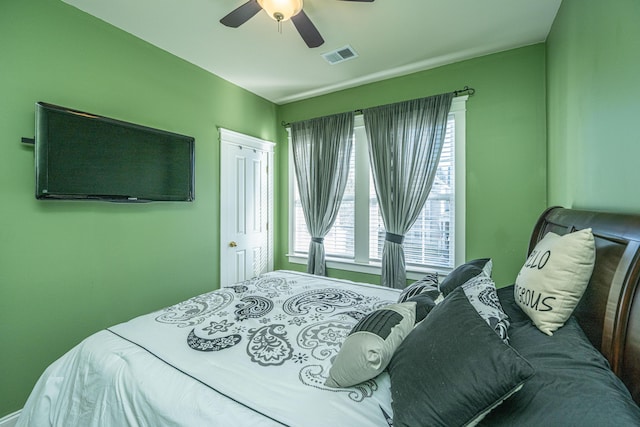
[84, 156]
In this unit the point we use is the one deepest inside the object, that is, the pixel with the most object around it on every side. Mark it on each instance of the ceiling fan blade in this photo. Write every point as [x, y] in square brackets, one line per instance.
[241, 14]
[368, 1]
[307, 30]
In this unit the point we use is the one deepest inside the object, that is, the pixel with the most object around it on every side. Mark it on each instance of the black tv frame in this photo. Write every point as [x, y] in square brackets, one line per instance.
[43, 191]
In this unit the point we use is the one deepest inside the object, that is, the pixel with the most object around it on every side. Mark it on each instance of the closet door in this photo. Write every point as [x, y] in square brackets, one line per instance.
[246, 207]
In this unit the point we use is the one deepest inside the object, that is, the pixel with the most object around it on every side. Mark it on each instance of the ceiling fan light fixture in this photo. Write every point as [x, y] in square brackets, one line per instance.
[281, 10]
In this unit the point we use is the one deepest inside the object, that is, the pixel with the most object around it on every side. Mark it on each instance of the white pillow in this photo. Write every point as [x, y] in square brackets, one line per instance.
[481, 293]
[552, 281]
[367, 350]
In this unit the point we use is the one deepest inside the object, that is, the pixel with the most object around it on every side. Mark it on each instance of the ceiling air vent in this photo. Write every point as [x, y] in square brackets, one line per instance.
[340, 55]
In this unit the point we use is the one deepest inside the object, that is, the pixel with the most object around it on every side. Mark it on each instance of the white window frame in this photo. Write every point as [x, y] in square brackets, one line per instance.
[361, 262]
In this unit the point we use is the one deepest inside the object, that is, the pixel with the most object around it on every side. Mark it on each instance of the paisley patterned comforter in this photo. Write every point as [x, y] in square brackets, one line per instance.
[264, 346]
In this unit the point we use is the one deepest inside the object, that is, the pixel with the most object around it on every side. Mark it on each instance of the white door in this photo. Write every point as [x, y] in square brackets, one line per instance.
[246, 205]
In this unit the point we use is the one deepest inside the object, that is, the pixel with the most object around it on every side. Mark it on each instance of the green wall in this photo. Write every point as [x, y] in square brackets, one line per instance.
[505, 148]
[593, 69]
[68, 269]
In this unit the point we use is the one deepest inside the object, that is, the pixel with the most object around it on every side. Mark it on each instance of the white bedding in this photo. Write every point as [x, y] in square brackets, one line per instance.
[256, 353]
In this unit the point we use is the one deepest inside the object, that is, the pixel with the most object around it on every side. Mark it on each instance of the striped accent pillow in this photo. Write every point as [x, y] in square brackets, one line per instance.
[428, 283]
[367, 350]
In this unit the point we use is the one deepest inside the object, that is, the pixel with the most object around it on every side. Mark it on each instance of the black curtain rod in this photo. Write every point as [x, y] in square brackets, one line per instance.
[464, 91]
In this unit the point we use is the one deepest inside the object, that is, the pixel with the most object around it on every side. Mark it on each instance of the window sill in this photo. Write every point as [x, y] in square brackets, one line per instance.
[413, 272]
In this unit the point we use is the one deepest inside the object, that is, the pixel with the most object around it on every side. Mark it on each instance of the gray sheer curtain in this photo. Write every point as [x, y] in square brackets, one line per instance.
[321, 152]
[405, 142]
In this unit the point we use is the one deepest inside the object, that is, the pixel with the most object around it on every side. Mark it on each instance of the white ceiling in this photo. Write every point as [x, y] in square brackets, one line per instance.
[391, 37]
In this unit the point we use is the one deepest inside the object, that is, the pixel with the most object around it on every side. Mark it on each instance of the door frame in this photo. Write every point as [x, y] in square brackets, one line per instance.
[229, 137]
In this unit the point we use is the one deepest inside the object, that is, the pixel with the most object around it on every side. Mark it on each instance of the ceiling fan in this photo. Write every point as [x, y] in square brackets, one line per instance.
[280, 10]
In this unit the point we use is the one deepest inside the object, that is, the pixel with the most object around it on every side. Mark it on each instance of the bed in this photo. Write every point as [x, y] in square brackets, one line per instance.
[284, 349]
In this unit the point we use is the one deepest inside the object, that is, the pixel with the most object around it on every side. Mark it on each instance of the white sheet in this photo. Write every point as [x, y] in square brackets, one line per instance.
[260, 352]
[106, 382]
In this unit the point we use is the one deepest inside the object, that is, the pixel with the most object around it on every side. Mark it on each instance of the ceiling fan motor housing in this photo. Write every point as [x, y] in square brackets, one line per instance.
[281, 10]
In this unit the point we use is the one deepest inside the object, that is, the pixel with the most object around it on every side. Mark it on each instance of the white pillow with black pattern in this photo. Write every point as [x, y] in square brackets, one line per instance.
[368, 348]
[428, 283]
[481, 293]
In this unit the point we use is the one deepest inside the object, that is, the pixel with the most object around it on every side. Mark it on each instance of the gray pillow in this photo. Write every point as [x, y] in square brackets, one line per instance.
[368, 348]
[453, 369]
[424, 304]
[463, 273]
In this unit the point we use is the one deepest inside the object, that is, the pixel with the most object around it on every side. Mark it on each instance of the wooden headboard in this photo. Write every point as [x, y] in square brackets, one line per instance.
[609, 311]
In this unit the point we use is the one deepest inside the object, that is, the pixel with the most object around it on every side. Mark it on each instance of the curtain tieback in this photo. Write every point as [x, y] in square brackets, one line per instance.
[394, 238]
[317, 240]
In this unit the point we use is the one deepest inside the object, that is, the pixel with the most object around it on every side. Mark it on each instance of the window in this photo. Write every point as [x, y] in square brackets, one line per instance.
[355, 241]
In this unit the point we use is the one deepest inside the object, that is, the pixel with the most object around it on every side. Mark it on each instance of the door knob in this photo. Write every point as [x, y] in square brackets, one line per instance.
[232, 244]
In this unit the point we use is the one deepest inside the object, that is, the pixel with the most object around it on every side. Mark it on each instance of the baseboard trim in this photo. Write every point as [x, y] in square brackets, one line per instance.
[10, 420]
